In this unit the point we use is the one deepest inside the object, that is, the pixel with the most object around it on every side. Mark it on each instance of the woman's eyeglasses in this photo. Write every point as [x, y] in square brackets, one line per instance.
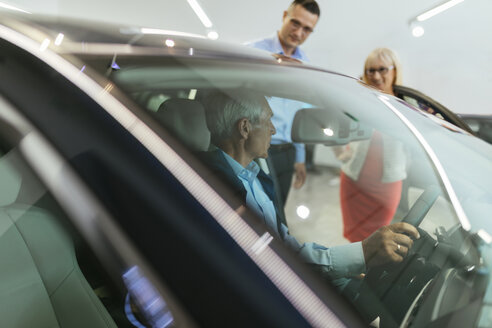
[381, 70]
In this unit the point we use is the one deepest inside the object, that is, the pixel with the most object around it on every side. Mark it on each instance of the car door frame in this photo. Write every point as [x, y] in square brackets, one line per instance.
[448, 115]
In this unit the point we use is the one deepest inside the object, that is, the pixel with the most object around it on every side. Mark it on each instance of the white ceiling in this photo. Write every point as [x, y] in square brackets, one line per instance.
[452, 62]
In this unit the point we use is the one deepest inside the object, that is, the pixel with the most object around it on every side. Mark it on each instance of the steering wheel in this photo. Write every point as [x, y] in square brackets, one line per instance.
[423, 204]
[379, 280]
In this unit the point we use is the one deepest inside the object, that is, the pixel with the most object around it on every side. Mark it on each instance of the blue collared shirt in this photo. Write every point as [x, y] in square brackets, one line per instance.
[283, 109]
[339, 261]
[256, 198]
[272, 45]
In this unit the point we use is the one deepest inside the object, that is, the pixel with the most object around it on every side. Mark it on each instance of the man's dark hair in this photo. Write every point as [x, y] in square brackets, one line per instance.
[309, 5]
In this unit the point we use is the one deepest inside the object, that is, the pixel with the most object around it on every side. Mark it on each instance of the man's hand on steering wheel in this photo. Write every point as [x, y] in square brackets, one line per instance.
[389, 244]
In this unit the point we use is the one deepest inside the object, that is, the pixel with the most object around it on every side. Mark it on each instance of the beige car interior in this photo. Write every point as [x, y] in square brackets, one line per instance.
[41, 284]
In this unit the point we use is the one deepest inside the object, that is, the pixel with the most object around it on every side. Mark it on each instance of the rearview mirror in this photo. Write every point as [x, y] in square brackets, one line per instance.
[331, 128]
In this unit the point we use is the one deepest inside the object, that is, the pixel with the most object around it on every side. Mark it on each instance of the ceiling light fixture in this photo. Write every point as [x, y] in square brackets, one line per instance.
[418, 31]
[437, 10]
[200, 13]
[212, 35]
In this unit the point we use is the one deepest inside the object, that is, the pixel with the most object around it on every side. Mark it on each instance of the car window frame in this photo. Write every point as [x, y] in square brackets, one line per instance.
[106, 239]
[337, 302]
[448, 115]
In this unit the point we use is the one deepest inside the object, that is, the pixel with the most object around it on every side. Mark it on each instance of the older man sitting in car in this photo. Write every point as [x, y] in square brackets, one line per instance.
[241, 129]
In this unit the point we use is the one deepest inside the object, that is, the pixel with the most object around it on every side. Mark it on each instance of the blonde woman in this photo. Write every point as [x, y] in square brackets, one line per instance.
[373, 170]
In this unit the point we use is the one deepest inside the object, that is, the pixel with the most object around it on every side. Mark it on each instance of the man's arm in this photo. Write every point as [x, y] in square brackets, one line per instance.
[343, 153]
[347, 261]
[342, 261]
[299, 165]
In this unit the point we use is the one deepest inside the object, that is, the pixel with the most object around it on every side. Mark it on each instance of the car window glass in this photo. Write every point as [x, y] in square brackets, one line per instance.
[211, 79]
[482, 126]
[422, 105]
[471, 184]
[48, 270]
[314, 212]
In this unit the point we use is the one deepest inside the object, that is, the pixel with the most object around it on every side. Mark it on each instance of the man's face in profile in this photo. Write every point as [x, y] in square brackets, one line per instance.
[259, 139]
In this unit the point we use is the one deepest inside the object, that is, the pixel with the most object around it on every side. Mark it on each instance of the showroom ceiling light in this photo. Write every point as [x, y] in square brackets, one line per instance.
[418, 31]
[213, 35]
[437, 10]
[200, 13]
[6, 6]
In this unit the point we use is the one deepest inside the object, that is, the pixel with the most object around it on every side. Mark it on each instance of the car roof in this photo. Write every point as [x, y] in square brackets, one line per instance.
[86, 37]
[78, 31]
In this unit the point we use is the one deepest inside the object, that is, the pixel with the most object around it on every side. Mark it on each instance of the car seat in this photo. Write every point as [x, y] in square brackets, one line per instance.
[41, 284]
[185, 118]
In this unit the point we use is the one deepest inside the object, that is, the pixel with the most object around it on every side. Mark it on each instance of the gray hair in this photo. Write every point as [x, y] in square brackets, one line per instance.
[223, 111]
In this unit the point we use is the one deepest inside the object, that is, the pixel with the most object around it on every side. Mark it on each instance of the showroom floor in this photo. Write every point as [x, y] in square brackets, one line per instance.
[321, 195]
[324, 224]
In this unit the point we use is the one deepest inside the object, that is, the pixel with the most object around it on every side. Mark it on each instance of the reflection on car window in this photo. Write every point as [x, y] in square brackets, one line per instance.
[370, 172]
[482, 126]
[423, 106]
[41, 249]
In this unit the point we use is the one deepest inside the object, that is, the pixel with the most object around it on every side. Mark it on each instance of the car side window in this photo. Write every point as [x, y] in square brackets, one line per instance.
[422, 105]
[371, 173]
[482, 126]
[47, 269]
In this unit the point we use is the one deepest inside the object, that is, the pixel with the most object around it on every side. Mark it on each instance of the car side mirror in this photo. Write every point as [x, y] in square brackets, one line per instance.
[331, 128]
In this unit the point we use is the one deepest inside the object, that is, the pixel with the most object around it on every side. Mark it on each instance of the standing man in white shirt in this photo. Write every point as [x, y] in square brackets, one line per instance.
[298, 23]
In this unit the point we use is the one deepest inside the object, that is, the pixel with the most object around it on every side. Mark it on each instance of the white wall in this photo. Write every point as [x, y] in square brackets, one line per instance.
[452, 62]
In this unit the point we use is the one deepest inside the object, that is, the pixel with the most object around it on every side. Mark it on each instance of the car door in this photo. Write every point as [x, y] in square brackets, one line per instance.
[480, 124]
[64, 260]
[429, 105]
[158, 242]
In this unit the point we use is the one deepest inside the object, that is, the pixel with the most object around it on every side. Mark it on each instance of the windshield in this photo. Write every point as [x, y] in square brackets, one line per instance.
[466, 161]
[331, 172]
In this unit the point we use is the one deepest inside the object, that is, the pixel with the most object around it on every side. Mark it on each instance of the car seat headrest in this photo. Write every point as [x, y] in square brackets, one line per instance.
[186, 119]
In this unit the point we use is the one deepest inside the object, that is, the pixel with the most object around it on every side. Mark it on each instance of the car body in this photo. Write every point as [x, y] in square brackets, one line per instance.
[476, 124]
[109, 217]
[429, 105]
[479, 124]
